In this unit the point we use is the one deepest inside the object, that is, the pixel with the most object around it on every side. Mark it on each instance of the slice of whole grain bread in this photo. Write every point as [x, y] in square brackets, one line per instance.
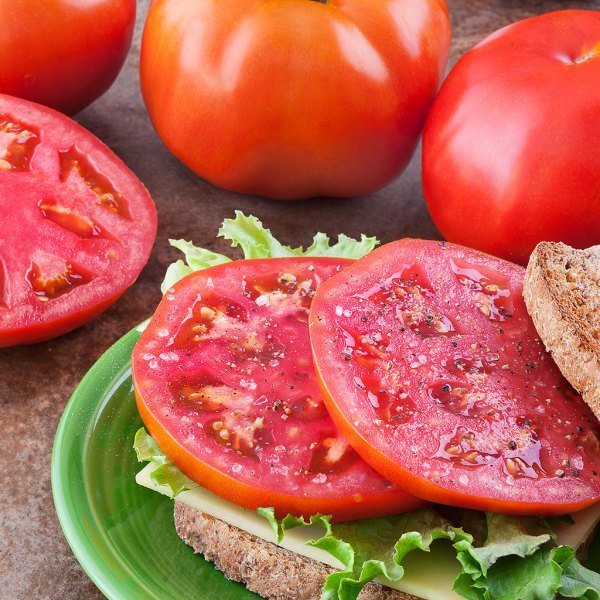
[265, 568]
[562, 294]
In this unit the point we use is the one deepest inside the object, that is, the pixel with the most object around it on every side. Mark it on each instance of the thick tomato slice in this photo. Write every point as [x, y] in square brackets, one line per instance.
[76, 226]
[224, 381]
[435, 374]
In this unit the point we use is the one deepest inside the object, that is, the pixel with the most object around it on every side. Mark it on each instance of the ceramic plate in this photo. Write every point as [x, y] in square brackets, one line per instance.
[121, 533]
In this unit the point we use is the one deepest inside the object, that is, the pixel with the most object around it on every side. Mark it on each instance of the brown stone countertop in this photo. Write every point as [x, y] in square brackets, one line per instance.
[36, 381]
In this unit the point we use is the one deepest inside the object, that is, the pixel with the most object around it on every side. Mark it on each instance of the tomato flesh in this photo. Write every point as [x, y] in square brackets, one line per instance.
[434, 372]
[77, 225]
[225, 383]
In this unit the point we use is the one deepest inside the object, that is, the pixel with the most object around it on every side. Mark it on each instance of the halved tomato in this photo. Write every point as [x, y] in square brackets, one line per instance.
[76, 225]
[433, 371]
[225, 383]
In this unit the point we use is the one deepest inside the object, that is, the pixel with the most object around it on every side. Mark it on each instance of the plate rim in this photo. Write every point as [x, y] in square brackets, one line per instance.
[62, 489]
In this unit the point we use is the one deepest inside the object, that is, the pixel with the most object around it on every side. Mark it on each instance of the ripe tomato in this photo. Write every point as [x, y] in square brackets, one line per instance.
[225, 383]
[61, 53]
[510, 147]
[293, 99]
[433, 371]
[76, 226]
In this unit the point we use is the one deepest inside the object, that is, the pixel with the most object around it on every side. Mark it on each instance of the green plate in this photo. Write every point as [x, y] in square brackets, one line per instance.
[121, 533]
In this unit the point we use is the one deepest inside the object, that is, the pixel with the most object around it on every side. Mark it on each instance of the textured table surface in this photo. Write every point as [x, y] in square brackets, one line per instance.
[36, 382]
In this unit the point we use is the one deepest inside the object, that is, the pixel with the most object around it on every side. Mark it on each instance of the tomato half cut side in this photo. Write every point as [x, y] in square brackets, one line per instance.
[225, 383]
[77, 226]
[433, 371]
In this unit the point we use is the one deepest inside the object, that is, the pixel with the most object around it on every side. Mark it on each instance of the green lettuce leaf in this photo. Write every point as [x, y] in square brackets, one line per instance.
[547, 571]
[165, 473]
[256, 241]
[517, 559]
[505, 536]
[576, 580]
[372, 547]
[195, 260]
[512, 577]
[380, 545]
[281, 526]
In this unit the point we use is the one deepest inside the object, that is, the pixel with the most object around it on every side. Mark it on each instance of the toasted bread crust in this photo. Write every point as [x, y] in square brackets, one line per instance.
[264, 567]
[562, 294]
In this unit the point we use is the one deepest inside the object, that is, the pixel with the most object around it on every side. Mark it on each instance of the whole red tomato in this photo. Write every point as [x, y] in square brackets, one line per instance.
[511, 147]
[293, 99]
[63, 53]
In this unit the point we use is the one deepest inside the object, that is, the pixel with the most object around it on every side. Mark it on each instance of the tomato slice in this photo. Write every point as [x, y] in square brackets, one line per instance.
[433, 371]
[77, 226]
[225, 383]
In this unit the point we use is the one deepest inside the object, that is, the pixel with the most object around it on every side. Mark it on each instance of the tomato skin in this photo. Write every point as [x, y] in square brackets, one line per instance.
[77, 225]
[250, 104]
[510, 146]
[432, 370]
[193, 382]
[66, 56]
[41, 332]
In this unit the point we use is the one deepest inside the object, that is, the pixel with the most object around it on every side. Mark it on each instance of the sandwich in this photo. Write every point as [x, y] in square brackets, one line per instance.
[350, 422]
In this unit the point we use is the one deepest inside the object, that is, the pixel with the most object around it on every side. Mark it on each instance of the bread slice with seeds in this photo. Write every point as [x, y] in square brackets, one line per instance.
[562, 294]
[265, 568]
